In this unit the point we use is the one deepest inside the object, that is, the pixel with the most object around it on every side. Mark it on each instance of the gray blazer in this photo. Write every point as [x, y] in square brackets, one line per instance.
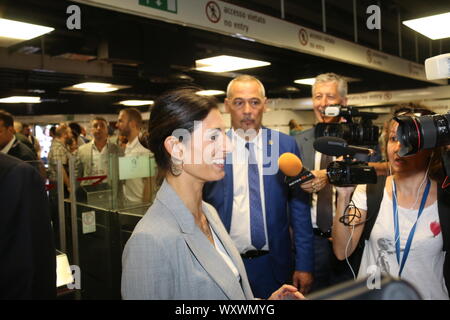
[169, 257]
[305, 143]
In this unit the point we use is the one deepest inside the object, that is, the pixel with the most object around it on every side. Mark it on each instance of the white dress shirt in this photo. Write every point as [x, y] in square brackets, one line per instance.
[8, 147]
[240, 221]
[134, 188]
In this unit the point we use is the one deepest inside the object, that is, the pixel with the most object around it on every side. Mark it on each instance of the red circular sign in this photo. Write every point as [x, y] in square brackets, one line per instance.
[303, 37]
[213, 12]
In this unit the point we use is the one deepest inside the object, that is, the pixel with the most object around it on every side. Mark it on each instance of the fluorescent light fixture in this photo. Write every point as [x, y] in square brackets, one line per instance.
[136, 103]
[210, 92]
[20, 99]
[434, 27]
[12, 32]
[98, 87]
[308, 81]
[227, 63]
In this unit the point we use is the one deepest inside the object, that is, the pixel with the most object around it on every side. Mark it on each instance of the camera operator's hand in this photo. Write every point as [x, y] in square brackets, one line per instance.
[345, 192]
[316, 184]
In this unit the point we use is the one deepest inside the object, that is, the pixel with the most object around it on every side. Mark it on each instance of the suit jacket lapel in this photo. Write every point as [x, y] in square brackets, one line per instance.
[268, 161]
[308, 150]
[229, 246]
[200, 246]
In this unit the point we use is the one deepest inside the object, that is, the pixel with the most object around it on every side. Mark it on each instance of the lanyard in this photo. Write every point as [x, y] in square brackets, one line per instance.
[413, 229]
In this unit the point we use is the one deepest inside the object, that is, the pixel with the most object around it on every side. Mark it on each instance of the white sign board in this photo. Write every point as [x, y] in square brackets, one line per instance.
[225, 18]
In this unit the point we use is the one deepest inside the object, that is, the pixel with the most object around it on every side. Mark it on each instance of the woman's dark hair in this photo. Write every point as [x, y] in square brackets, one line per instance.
[175, 110]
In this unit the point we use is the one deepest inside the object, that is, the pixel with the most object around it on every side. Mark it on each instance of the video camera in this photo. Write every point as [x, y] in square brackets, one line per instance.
[347, 172]
[361, 132]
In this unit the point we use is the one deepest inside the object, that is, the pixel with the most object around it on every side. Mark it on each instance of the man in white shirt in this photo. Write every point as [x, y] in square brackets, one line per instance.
[129, 124]
[93, 157]
[255, 204]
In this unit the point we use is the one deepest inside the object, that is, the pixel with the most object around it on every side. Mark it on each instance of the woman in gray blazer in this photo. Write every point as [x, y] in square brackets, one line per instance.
[180, 249]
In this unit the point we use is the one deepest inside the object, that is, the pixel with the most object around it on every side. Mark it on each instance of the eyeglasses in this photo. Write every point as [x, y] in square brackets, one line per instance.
[240, 103]
[415, 111]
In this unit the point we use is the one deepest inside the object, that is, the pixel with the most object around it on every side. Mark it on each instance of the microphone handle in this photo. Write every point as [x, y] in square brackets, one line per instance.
[304, 176]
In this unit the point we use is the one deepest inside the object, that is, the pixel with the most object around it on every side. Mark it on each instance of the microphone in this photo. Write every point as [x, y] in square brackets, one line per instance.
[334, 146]
[292, 167]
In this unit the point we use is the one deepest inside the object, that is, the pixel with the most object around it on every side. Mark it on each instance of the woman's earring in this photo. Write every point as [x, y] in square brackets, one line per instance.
[176, 168]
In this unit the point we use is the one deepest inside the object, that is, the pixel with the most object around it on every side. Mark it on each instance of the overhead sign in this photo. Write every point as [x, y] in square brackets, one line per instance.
[225, 18]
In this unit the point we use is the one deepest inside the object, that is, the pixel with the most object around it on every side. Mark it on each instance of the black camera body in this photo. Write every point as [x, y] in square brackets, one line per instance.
[360, 133]
[349, 172]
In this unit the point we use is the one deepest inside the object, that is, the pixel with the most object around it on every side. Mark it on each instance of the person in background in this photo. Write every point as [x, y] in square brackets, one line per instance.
[400, 226]
[18, 128]
[180, 250]
[59, 151]
[129, 124]
[294, 128]
[93, 157]
[328, 89]
[76, 136]
[26, 131]
[52, 131]
[254, 202]
[9, 144]
[83, 135]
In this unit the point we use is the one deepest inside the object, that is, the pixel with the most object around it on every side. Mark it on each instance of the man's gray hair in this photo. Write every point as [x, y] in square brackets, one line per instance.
[245, 78]
[332, 77]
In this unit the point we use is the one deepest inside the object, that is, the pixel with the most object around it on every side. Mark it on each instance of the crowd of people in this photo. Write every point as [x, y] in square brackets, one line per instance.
[225, 225]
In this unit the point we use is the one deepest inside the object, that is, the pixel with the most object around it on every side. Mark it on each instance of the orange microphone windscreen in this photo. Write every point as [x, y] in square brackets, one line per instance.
[290, 164]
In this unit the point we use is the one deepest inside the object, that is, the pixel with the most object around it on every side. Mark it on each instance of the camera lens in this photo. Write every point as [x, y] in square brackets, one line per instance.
[408, 134]
[425, 132]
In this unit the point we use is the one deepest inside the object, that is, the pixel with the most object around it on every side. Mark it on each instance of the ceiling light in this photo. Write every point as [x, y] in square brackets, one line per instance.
[434, 27]
[98, 87]
[308, 81]
[12, 32]
[227, 63]
[210, 92]
[136, 103]
[20, 99]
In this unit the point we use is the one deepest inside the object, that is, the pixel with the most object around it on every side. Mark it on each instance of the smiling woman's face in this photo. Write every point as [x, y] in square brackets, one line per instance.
[205, 152]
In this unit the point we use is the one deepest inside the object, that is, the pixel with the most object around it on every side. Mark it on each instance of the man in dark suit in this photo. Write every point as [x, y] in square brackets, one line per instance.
[328, 89]
[9, 144]
[27, 250]
[255, 205]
